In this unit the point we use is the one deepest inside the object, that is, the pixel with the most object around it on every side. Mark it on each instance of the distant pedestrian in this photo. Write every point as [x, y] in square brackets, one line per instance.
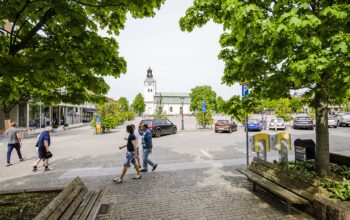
[13, 141]
[139, 145]
[130, 155]
[147, 148]
[44, 153]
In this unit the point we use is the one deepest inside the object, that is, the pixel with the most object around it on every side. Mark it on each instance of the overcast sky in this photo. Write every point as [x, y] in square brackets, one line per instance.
[179, 60]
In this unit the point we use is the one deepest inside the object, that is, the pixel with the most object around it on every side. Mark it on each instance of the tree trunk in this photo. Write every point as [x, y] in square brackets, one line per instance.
[322, 134]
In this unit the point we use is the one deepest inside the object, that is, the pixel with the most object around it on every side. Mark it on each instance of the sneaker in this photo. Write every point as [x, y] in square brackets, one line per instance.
[137, 177]
[35, 169]
[47, 169]
[143, 170]
[117, 180]
[155, 167]
[22, 159]
[8, 164]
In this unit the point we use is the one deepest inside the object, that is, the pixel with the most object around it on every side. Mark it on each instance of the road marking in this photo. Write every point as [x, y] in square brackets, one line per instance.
[206, 153]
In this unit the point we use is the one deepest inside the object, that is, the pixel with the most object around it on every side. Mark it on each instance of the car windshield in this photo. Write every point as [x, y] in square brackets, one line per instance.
[222, 122]
[303, 119]
[330, 117]
[148, 122]
[346, 114]
[280, 120]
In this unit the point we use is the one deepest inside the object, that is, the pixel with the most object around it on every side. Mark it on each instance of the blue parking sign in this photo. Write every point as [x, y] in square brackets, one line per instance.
[204, 107]
[245, 90]
[98, 119]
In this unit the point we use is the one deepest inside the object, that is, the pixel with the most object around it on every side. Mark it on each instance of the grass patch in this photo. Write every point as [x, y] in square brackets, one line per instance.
[24, 205]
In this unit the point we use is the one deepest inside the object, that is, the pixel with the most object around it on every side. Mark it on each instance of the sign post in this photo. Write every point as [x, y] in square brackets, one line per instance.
[98, 125]
[204, 109]
[245, 92]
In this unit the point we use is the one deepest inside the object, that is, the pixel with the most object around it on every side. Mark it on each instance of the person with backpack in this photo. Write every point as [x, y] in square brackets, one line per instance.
[130, 155]
[147, 149]
[44, 143]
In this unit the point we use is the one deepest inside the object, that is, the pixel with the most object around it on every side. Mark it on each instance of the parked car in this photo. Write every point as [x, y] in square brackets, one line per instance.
[277, 123]
[303, 122]
[159, 127]
[225, 126]
[254, 125]
[332, 121]
[343, 119]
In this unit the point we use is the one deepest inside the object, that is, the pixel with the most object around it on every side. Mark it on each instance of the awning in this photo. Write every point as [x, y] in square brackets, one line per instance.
[89, 110]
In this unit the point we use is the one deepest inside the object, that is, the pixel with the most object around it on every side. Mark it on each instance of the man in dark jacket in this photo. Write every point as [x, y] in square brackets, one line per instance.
[147, 148]
[44, 142]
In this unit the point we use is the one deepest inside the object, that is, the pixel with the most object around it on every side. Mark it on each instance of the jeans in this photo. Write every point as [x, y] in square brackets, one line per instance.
[9, 151]
[145, 159]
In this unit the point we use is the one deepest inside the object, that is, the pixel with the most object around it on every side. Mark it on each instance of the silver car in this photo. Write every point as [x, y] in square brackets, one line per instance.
[332, 121]
[343, 119]
[277, 123]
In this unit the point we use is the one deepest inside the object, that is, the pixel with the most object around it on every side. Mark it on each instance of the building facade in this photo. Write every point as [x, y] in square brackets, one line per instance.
[38, 115]
[165, 102]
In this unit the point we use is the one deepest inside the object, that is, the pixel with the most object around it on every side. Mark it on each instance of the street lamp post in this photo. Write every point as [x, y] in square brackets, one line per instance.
[182, 113]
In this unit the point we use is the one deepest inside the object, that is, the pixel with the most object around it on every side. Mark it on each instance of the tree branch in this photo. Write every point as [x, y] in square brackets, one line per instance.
[97, 6]
[18, 15]
[4, 30]
[15, 48]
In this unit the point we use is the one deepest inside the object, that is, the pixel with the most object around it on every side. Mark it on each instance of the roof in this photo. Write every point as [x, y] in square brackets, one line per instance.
[172, 94]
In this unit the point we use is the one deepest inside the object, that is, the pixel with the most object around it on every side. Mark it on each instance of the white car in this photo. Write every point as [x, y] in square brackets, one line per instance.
[277, 123]
[343, 119]
[332, 121]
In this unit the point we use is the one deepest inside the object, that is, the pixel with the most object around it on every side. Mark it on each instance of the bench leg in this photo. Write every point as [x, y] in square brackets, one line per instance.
[254, 186]
[289, 207]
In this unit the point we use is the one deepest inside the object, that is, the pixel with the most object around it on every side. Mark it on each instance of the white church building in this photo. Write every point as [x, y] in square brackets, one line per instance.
[170, 103]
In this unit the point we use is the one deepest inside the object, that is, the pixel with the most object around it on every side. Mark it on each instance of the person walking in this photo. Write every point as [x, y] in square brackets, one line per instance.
[13, 142]
[138, 144]
[147, 149]
[44, 143]
[130, 155]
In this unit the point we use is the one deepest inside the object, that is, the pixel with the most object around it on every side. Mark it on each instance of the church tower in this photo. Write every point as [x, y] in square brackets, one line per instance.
[149, 91]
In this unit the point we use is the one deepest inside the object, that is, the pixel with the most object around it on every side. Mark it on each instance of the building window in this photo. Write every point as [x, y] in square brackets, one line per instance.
[171, 109]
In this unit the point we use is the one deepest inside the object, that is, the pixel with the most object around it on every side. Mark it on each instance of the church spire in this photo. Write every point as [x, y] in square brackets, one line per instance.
[149, 73]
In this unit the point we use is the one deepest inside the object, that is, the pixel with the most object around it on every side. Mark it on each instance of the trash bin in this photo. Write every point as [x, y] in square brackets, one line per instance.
[304, 149]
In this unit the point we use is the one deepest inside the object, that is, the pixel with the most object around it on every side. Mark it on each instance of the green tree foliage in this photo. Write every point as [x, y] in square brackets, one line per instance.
[238, 107]
[205, 118]
[296, 104]
[123, 104]
[202, 94]
[55, 44]
[283, 109]
[220, 102]
[138, 104]
[110, 115]
[280, 45]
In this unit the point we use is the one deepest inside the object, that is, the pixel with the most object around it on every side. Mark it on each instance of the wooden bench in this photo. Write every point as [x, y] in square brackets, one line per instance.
[75, 201]
[288, 185]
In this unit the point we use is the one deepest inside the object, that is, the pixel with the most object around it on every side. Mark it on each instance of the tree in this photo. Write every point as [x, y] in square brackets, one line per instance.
[123, 104]
[283, 109]
[296, 104]
[204, 118]
[138, 104]
[220, 102]
[280, 45]
[49, 45]
[202, 94]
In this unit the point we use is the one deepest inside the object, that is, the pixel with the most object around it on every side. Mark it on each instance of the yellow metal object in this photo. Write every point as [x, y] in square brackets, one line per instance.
[261, 136]
[284, 136]
[98, 128]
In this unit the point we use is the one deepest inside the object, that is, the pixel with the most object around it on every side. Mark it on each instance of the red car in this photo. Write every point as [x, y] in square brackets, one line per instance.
[225, 126]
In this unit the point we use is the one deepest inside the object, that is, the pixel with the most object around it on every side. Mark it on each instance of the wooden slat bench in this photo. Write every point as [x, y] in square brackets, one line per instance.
[289, 186]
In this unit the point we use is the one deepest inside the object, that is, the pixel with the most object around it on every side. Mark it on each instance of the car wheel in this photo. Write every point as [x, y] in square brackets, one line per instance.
[312, 128]
[335, 126]
[230, 131]
[294, 127]
[174, 130]
[158, 133]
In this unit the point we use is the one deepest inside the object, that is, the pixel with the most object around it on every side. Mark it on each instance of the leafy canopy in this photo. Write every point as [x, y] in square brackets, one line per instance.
[55, 44]
[281, 45]
[138, 104]
[201, 94]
